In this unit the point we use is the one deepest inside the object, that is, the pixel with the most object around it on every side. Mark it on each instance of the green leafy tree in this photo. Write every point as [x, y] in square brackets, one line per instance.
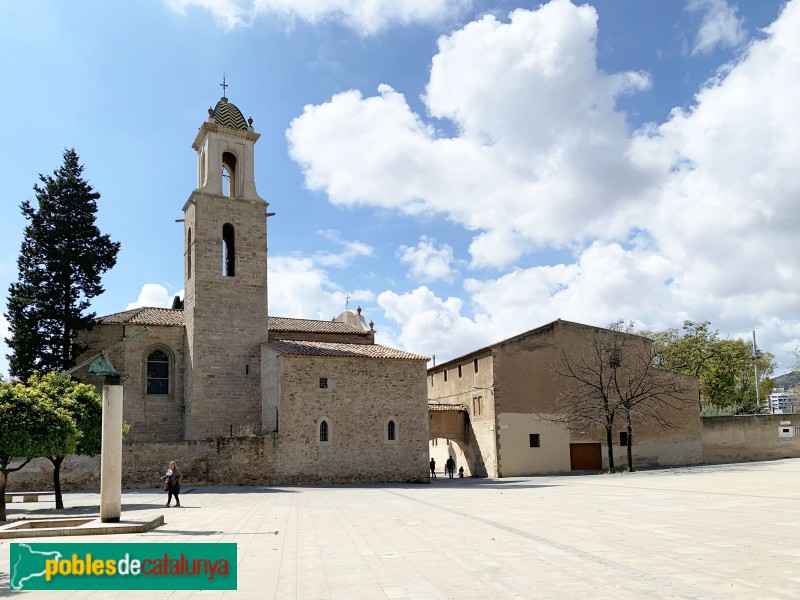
[729, 378]
[30, 427]
[689, 352]
[82, 403]
[61, 261]
[724, 368]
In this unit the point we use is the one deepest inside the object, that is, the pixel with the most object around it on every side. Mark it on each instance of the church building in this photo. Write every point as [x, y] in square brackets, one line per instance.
[300, 400]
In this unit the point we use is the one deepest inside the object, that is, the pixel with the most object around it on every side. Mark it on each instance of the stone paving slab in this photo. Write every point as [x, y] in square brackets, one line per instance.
[726, 531]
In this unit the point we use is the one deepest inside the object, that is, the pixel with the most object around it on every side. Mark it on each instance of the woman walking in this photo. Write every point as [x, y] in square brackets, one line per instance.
[172, 483]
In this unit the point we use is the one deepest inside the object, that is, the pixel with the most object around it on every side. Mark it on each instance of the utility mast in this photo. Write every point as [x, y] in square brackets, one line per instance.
[756, 354]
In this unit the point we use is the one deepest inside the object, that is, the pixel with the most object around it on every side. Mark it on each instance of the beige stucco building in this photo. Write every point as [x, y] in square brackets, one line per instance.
[326, 402]
[488, 408]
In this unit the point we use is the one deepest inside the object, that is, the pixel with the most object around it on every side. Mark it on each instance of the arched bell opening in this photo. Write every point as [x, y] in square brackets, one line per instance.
[229, 174]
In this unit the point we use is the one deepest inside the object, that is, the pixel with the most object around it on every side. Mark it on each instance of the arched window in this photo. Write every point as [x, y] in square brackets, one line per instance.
[323, 431]
[189, 253]
[228, 251]
[157, 373]
[229, 174]
[390, 432]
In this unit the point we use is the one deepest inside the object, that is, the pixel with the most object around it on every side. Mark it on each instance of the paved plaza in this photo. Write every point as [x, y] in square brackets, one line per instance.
[728, 531]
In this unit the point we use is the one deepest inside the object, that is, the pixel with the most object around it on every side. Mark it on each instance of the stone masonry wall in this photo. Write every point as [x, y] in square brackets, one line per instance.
[361, 397]
[749, 437]
[226, 317]
[152, 418]
[244, 460]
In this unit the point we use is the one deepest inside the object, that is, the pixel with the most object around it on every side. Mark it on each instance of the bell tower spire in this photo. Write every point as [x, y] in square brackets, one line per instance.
[225, 306]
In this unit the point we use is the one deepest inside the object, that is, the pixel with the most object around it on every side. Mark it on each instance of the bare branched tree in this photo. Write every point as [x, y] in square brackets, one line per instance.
[615, 375]
[648, 395]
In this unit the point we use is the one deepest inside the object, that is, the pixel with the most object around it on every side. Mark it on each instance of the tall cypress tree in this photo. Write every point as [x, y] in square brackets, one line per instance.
[62, 258]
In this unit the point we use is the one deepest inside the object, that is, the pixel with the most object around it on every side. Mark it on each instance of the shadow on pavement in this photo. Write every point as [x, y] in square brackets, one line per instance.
[256, 489]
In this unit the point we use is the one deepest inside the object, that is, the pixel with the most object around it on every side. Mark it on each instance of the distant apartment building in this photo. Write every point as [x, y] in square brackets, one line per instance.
[783, 402]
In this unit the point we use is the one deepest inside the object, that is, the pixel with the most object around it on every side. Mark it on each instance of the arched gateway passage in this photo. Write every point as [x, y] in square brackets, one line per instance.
[449, 434]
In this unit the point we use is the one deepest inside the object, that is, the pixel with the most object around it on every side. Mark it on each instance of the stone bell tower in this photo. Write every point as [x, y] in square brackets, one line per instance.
[225, 278]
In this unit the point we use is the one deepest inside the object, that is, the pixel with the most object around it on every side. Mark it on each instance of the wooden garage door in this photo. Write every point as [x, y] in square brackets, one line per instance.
[585, 457]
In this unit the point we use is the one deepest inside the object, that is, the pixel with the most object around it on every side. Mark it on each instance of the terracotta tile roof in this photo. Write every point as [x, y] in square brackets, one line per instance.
[438, 407]
[310, 326]
[146, 315]
[149, 315]
[308, 348]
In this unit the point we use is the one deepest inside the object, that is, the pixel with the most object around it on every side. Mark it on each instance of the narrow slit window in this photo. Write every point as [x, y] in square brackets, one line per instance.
[228, 250]
[477, 406]
[323, 431]
[475, 364]
[390, 431]
[459, 370]
[189, 253]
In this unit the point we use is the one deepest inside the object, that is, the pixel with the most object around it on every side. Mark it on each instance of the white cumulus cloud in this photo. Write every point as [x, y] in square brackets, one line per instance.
[431, 325]
[300, 287]
[694, 217]
[721, 26]
[366, 17]
[350, 250]
[426, 261]
[542, 156]
[154, 294]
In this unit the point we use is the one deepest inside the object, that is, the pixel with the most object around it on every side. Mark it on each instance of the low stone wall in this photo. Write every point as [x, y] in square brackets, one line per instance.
[249, 460]
[748, 437]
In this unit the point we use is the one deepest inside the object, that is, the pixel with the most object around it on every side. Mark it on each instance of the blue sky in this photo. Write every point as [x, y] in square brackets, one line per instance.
[463, 170]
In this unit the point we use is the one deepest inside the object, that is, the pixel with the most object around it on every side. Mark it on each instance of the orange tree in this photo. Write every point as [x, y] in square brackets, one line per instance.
[82, 403]
[30, 427]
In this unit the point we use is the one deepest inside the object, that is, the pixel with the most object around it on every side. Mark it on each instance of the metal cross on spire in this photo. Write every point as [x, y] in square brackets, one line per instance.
[224, 86]
[346, 301]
